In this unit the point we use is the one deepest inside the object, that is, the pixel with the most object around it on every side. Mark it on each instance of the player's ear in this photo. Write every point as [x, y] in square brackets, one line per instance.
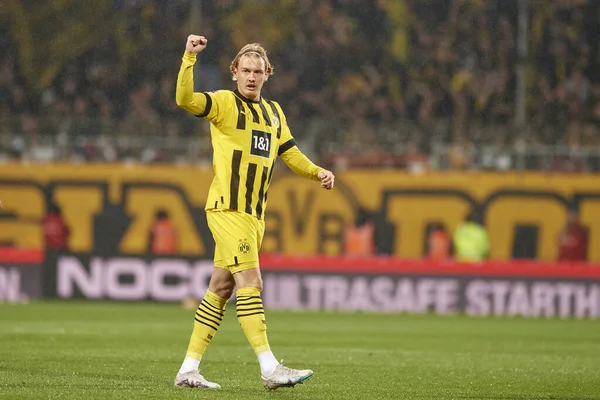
[234, 74]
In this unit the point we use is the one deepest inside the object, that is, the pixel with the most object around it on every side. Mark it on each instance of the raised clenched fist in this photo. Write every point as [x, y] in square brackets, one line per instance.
[195, 44]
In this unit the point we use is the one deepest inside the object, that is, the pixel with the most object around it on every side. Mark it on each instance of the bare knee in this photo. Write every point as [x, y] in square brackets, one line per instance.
[221, 283]
[222, 289]
[249, 278]
[255, 283]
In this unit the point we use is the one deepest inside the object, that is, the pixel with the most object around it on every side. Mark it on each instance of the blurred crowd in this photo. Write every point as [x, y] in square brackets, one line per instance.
[410, 83]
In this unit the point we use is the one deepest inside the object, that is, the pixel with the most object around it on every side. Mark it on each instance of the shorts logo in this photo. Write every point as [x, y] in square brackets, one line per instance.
[244, 246]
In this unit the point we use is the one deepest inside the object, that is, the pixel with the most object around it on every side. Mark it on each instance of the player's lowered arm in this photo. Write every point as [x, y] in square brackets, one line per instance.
[184, 93]
[300, 164]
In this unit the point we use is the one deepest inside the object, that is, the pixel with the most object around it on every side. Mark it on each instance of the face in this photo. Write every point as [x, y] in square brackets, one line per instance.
[250, 75]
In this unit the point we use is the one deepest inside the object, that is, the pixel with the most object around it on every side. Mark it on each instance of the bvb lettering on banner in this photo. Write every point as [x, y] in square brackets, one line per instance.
[110, 208]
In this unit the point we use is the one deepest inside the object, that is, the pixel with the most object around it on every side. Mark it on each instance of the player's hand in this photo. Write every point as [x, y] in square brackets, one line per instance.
[195, 44]
[327, 178]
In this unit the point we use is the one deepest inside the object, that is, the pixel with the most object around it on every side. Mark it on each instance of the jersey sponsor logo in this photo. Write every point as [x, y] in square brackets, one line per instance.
[261, 143]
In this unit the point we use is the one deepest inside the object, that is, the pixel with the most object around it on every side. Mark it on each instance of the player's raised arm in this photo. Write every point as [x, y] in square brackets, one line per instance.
[184, 94]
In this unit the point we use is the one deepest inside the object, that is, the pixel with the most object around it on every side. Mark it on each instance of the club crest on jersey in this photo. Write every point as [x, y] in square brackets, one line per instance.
[275, 121]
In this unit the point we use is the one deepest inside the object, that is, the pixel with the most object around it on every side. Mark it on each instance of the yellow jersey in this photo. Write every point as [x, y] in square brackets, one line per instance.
[247, 136]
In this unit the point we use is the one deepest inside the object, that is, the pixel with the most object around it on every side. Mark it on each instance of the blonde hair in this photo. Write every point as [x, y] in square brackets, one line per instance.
[254, 49]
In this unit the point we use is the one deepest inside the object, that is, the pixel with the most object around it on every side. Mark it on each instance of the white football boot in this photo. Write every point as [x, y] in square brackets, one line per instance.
[194, 379]
[285, 377]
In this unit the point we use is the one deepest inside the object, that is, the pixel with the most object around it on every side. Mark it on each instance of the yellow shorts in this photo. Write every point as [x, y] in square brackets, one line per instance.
[238, 237]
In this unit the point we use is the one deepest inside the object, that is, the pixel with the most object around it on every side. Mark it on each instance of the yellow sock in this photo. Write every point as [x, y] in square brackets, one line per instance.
[206, 322]
[251, 316]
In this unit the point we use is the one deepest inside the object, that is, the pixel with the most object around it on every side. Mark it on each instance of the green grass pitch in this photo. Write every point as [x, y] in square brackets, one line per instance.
[76, 350]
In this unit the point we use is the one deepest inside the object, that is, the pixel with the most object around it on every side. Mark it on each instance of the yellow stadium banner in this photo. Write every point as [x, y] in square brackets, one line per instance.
[110, 208]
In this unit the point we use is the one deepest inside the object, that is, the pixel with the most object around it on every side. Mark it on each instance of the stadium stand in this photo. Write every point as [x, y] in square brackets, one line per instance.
[405, 84]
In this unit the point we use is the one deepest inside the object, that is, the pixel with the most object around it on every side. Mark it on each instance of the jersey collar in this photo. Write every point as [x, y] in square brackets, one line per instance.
[247, 100]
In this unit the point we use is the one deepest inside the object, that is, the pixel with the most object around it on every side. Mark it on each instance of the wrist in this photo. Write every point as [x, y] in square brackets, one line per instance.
[191, 57]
